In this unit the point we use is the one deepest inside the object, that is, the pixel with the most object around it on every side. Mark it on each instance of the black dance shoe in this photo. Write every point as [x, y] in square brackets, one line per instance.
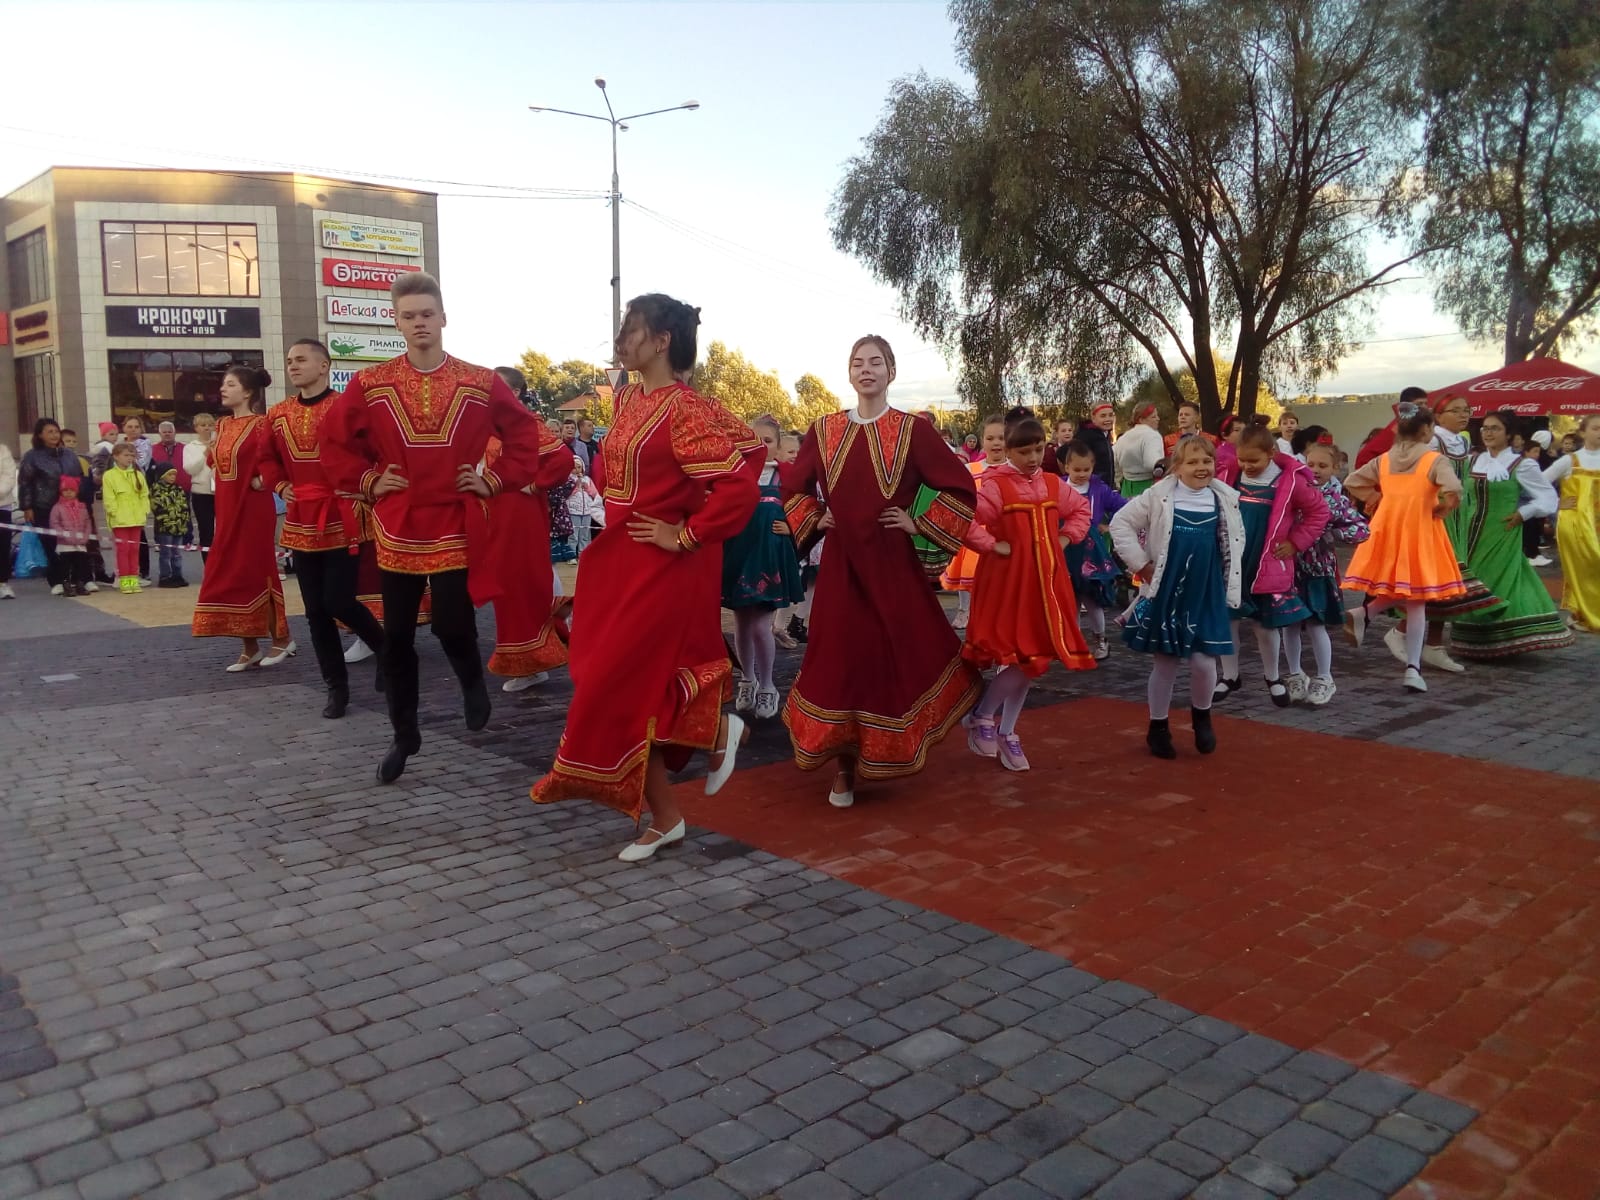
[338, 701]
[394, 762]
[1205, 737]
[475, 704]
[1159, 739]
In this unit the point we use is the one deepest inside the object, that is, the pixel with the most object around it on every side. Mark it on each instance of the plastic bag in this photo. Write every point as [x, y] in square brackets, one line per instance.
[31, 561]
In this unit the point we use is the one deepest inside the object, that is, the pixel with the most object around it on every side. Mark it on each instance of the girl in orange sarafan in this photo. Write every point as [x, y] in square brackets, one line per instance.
[883, 679]
[649, 668]
[1024, 611]
[957, 577]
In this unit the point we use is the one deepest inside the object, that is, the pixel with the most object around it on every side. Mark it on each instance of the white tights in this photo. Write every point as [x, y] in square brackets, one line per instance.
[1004, 695]
[753, 639]
[1164, 674]
[1095, 617]
[1321, 647]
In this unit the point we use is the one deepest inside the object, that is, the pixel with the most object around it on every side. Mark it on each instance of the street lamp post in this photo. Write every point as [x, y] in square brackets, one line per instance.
[618, 124]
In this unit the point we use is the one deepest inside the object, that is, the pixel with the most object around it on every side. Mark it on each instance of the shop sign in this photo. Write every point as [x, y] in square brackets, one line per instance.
[378, 276]
[345, 310]
[33, 329]
[140, 320]
[366, 347]
[380, 239]
[339, 377]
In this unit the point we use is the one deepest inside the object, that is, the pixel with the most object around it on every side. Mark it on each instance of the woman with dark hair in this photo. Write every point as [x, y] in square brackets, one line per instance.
[883, 679]
[39, 487]
[1508, 489]
[650, 671]
[240, 594]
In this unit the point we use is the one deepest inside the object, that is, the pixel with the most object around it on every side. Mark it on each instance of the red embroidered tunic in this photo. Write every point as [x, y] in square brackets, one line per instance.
[241, 595]
[526, 641]
[648, 663]
[883, 679]
[316, 518]
[429, 424]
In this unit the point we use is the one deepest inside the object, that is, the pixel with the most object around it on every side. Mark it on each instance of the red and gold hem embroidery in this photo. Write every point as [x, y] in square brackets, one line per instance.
[310, 538]
[544, 653]
[263, 617]
[884, 747]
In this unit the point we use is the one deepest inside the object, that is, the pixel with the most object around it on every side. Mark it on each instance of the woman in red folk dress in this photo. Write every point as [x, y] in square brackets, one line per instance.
[649, 669]
[241, 595]
[883, 679]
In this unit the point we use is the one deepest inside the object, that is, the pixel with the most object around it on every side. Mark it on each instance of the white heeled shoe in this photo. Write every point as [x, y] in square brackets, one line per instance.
[277, 656]
[359, 652]
[523, 683]
[730, 753]
[639, 851]
[244, 664]
[842, 799]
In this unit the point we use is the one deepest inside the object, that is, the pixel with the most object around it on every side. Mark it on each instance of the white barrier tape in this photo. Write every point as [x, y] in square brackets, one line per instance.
[45, 532]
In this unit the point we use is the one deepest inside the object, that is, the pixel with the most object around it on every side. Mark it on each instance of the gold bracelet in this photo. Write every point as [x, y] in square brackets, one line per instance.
[686, 540]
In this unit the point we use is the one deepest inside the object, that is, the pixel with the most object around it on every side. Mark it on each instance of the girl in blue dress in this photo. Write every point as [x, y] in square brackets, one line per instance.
[760, 574]
[1093, 569]
[1183, 540]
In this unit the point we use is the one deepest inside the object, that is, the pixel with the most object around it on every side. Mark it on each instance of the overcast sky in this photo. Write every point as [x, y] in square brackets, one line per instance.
[727, 206]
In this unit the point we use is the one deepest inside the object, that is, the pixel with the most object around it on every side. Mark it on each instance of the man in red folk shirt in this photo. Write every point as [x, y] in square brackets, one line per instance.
[407, 436]
[319, 527]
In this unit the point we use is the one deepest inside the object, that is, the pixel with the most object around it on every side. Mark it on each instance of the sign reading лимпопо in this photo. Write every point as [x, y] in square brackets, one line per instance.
[380, 239]
[378, 276]
[366, 347]
[345, 310]
[140, 320]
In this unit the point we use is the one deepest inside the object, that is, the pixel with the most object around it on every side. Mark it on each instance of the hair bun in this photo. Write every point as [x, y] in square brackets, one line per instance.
[264, 377]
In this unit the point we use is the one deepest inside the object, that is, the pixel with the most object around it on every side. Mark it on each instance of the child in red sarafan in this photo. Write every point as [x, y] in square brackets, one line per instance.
[1024, 611]
[73, 526]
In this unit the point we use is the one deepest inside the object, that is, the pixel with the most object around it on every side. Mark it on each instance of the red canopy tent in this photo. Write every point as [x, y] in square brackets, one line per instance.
[1539, 387]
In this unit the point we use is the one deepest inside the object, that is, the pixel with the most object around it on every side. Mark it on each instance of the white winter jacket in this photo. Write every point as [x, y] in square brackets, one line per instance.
[1150, 514]
[8, 480]
[1139, 452]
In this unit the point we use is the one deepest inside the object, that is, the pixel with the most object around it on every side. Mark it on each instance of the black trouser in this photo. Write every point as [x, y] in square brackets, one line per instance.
[1532, 535]
[328, 588]
[52, 560]
[76, 569]
[455, 624]
[205, 518]
[5, 546]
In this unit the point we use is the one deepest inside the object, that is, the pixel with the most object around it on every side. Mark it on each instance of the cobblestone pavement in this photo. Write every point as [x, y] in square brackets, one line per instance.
[231, 965]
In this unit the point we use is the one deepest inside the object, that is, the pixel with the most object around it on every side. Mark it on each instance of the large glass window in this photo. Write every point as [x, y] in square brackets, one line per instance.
[28, 269]
[166, 258]
[171, 385]
[36, 389]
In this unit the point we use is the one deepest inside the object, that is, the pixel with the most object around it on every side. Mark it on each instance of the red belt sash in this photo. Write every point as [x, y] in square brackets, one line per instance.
[327, 502]
[488, 572]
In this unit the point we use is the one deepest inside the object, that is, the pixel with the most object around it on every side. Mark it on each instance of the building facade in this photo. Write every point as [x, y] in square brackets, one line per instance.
[129, 292]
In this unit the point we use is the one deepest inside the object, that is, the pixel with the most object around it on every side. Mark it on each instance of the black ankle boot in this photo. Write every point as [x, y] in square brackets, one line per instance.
[338, 701]
[394, 762]
[1159, 739]
[1205, 737]
[475, 704]
[380, 677]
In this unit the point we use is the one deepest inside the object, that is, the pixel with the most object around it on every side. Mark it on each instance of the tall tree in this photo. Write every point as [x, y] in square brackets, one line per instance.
[812, 400]
[743, 388]
[1141, 181]
[1513, 160]
[552, 383]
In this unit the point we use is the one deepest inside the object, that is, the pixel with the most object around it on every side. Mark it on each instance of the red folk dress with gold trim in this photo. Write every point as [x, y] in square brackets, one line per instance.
[525, 639]
[1024, 611]
[883, 678]
[241, 595]
[648, 664]
[429, 424]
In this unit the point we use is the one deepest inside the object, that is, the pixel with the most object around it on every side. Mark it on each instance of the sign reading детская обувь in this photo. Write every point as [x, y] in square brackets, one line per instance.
[171, 320]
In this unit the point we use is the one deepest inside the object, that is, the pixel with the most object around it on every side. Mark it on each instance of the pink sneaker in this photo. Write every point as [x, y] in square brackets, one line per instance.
[981, 737]
[1011, 756]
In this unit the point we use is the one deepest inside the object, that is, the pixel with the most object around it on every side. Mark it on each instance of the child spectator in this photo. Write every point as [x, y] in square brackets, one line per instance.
[170, 504]
[127, 500]
[585, 506]
[74, 528]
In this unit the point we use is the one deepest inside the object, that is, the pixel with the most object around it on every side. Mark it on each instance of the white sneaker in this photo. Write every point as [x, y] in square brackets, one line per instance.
[1320, 691]
[359, 652]
[56, 590]
[1355, 625]
[1438, 656]
[6, 593]
[525, 682]
[744, 695]
[766, 703]
[1540, 561]
[1395, 639]
[1101, 651]
[91, 586]
[1414, 680]
[1299, 687]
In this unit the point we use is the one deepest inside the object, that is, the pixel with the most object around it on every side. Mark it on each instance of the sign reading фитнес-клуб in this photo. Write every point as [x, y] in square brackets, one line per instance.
[381, 239]
[366, 347]
[349, 310]
[168, 320]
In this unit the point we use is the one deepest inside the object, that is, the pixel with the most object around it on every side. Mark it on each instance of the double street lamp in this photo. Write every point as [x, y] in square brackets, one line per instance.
[617, 123]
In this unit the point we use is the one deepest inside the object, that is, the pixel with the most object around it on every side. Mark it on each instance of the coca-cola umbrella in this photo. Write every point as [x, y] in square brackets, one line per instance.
[1539, 387]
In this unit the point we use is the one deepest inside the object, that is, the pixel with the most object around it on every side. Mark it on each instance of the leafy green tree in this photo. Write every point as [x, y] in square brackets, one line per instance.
[743, 388]
[553, 384]
[1130, 183]
[1513, 162]
[812, 400]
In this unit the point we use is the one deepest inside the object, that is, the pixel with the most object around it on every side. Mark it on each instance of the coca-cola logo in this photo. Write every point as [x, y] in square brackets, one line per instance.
[1559, 383]
[345, 272]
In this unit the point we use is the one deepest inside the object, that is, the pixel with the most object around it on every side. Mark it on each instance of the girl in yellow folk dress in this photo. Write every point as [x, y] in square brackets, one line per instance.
[1577, 477]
